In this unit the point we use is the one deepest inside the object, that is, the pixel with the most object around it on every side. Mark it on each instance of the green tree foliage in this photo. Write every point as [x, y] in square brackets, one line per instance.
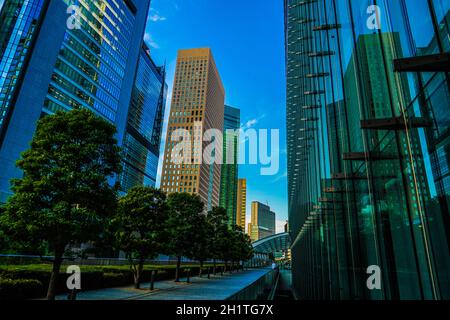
[200, 249]
[139, 227]
[242, 249]
[184, 212]
[64, 197]
[218, 222]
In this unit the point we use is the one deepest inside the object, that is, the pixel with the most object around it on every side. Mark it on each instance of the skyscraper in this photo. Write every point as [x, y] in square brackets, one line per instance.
[18, 31]
[197, 106]
[362, 187]
[229, 176]
[144, 124]
[241, 203]
[262, 222]
[54, 65]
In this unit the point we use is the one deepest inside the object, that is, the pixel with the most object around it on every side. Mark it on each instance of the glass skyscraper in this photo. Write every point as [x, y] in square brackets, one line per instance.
[144, 125]
[18, 28]
[368, 147]
[229, 174]
[49, 64]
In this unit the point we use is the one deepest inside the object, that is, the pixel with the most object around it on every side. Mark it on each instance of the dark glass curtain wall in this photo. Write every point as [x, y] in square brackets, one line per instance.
[368, 148]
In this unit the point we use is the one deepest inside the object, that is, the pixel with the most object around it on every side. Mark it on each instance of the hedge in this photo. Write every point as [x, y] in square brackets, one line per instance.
[25, 283]
[90, 280]
[20, 289]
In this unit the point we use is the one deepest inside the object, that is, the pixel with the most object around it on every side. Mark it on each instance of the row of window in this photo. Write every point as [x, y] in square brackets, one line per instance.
[362, 193]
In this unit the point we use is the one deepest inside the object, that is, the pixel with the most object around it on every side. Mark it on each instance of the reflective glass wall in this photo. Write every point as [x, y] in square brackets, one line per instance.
[368, 149]
[93, 58]
[18, 24]
[144, 124]
[65, 54]
[229, 171]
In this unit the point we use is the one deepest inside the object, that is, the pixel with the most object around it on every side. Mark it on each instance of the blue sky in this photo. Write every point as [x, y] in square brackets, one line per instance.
[246, 38]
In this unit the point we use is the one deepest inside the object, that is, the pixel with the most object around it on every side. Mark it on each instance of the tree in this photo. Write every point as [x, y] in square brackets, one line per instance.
[218, 224]
[184, 211]
[243, 249]
[228, 244]
[64, 197]
[200, 249]
[139, 227]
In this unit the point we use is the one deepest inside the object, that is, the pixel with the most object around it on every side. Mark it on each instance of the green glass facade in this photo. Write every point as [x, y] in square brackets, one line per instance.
[229, 172]
[368, 149]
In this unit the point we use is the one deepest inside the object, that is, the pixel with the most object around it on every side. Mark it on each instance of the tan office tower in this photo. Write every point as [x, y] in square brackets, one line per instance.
[262, 223]
[197, 105]
[241, 206]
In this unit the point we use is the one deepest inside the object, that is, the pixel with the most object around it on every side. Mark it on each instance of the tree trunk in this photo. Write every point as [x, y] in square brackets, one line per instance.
[177, 271]
[52, 285]
[226, 266]
[152, 279]
[138, 274]
[214, 267]
[201, 267]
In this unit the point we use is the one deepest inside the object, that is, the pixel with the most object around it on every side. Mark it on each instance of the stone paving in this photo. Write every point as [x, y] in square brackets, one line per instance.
[217, 288]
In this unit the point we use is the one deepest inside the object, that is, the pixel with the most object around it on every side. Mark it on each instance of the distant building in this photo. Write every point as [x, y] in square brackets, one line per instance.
[262, 222]
[197, 106]
[241, 207]
[229, 175]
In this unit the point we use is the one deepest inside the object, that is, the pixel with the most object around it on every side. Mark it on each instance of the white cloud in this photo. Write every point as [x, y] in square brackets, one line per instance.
[155, 16]
[150, 42]
[252, 122]
[249, 125]
[280, 177]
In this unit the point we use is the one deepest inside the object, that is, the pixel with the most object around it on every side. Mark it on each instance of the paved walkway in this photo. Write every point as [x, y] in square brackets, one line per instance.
[217, 288]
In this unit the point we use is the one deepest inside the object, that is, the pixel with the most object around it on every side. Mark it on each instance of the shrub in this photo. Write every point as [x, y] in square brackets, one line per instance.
[41, 276]
[20, 289]
[116, 279]
[89, 280]
[92, 278]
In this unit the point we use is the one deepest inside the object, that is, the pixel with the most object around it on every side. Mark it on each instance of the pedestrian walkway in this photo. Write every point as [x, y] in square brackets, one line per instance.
[217, 288]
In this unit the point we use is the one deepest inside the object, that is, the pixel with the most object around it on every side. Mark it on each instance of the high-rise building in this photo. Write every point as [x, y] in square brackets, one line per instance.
[241, 203]
[262, 222]
[51, 64]
[229, 176]
[144, 124]
[197, 106]
[367, 149]
[18, 32]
